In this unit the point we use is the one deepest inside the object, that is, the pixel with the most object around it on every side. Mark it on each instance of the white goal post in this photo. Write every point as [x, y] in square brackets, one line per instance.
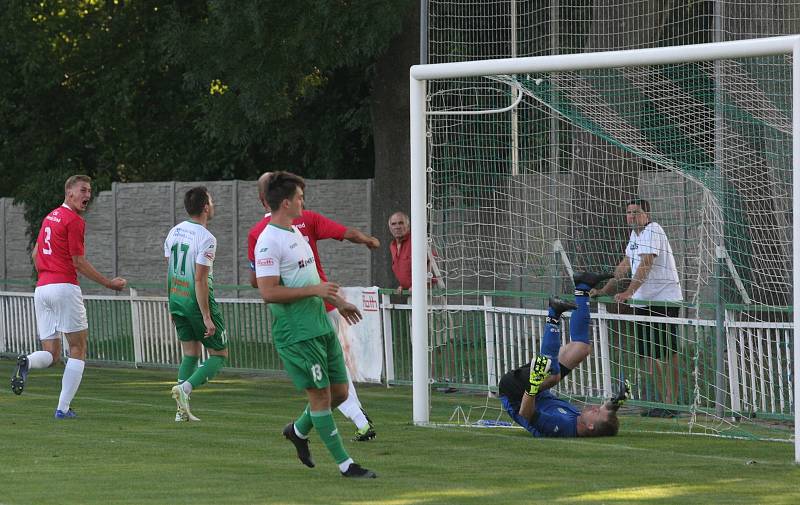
[419, 110]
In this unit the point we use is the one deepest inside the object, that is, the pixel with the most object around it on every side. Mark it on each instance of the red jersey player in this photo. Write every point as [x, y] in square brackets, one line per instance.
[58, 256]
[316, 227]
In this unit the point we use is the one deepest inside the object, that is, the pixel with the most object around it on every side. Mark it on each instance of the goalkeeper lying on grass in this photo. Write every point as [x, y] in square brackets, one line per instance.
[523, 391]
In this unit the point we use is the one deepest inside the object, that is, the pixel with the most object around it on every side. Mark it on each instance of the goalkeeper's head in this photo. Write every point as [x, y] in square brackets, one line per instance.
[598, 421]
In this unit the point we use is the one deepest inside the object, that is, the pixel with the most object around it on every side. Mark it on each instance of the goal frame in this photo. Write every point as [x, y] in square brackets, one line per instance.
[420, 74]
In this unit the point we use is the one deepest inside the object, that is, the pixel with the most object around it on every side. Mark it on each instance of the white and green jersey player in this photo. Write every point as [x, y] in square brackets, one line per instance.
[285, 253]
[187, 244]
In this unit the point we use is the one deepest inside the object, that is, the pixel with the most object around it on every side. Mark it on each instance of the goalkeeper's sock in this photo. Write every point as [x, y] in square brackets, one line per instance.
[303, 424]
[551, 343]
[326, 427]
[187, 368]
[207, 371]
[579, 320]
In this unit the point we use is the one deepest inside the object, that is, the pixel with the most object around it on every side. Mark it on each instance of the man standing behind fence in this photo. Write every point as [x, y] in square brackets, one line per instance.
[306, 342]
[648, 256]
[58, 256]
[315, 227]
[190, 250]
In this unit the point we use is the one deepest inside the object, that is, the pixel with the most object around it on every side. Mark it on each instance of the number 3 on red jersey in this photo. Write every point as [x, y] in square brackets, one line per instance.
[48, 248]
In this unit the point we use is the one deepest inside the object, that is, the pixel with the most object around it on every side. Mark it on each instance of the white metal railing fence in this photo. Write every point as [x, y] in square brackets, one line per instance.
[757, 355]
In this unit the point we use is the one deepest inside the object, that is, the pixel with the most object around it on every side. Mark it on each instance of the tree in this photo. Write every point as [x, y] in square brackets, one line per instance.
[221, 89]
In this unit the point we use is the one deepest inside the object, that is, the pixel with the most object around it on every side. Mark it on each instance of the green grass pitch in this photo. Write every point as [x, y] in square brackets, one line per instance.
[126, 449]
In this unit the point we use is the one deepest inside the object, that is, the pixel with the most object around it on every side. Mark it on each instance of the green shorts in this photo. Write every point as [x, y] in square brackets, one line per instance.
[315, 363]
[191, 329]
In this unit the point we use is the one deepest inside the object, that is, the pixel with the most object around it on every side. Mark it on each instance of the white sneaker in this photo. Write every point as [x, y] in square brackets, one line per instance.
[182, 399]
[181, 416]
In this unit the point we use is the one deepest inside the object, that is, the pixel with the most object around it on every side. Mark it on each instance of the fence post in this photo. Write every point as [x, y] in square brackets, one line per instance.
[605, 358]
[138, 355]
[489, 329]
[3, 319]
[731, 337]
[388, 340]
[719, 340]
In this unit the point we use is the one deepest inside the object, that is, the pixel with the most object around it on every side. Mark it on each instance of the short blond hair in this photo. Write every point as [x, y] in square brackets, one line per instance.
[75, 179]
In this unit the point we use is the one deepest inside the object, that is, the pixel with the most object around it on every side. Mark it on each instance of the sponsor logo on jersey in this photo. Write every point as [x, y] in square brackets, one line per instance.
[265, 262]
[561, 409]
[304, 263]
[53, 218]
[301, 225]
[295, 244]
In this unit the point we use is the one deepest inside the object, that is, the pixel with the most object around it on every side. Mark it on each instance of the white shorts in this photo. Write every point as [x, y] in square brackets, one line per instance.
[59, 308]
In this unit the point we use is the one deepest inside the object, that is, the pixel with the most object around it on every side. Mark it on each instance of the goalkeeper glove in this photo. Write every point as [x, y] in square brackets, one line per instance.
[616, 401]
[540, 369]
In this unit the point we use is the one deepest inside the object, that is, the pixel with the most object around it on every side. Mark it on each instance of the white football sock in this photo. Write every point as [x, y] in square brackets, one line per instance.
[351, 408]
[344, 465]
[73, 373]
[40, 359]
[187, 387]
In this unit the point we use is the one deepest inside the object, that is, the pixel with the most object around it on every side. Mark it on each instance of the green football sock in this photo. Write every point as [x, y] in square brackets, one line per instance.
[187, 368]
[206, 371]
[326, 427]
[304, 423]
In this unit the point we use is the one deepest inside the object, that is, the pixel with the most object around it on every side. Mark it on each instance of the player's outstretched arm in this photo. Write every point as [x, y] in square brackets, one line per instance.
[86, 269]
[358, 237]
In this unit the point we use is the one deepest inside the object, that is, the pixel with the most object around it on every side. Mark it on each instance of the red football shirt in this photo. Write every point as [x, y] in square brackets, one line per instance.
[60, 238]
[401, 261]
[313, 226]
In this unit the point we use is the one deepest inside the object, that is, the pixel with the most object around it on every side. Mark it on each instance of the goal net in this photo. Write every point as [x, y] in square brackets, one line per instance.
[521, 173]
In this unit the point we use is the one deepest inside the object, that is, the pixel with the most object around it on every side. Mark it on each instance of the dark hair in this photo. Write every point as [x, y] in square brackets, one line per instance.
[607, 428]
[282, 186]
[642, 203]
[195, 200]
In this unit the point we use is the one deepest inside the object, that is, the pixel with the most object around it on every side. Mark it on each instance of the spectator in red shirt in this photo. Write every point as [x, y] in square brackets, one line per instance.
[58, 256]
[400, 247]
[316, 227]
[443, 365]
[401, 250]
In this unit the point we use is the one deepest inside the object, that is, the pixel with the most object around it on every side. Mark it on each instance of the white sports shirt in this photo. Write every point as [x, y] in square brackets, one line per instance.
[662, 283]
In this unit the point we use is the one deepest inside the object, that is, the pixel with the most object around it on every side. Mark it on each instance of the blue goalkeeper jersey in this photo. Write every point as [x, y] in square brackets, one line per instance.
[556, 417]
